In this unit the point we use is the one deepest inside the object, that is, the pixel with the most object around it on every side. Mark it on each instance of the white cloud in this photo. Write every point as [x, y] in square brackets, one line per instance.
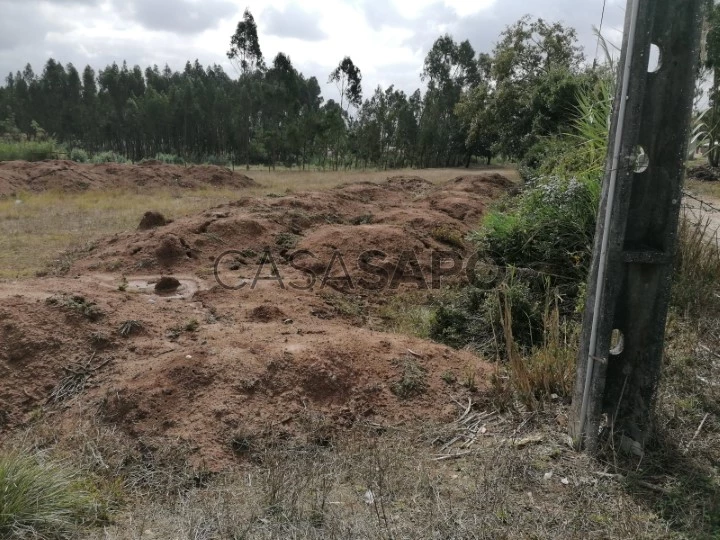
[293, 22]
[387, 39]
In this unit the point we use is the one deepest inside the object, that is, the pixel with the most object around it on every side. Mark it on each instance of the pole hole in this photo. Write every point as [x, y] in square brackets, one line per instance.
[640, 160]
[655, 59]
[617, 343]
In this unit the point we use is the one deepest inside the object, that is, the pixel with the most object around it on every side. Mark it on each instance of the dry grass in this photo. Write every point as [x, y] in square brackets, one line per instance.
[703, 189]
[35, 232]
[548, 372]
[697, 281]
[514, 478]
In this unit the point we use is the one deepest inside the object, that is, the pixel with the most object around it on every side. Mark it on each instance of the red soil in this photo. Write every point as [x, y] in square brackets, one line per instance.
[68, 176]
[206, 363]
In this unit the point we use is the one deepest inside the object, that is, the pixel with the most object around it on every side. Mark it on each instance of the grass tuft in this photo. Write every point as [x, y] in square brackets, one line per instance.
[40, 499]
[413, 381]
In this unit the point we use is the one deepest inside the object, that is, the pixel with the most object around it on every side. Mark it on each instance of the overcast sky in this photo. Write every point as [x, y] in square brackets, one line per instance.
[387, 39]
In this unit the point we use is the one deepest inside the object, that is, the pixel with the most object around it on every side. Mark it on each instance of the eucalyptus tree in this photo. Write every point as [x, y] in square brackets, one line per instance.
[348, 78]
[534, 71]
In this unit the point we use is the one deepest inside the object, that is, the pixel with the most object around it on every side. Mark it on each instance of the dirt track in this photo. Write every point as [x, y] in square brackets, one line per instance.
[204, 363]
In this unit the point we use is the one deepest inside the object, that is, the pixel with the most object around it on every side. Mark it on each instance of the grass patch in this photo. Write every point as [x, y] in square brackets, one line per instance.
[411, 314]
[39, 499]
[370, 485]
[448, 236]
[78, 304]
[697, 273]
[547, 372]
[27, 150]
[703, 189]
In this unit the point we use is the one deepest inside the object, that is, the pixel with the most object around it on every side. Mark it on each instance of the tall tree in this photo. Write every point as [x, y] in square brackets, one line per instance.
[245, 45]
[348, 78]
[535, 71]
[450, 69]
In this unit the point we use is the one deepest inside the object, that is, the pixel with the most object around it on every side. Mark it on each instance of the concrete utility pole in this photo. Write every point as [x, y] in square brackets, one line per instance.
[631, 275]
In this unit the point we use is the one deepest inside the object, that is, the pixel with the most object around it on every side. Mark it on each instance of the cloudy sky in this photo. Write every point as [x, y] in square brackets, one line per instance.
[387, 39]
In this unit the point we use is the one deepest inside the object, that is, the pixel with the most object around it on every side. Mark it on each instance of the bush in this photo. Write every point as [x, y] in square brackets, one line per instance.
[549, 229]
[79, 155]
[40, 499]
[27, 150]
[474, 317]
[109, 157]
[543, 239]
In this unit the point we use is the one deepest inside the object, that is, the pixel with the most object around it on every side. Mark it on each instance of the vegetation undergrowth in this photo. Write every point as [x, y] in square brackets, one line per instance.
[697, 268]
[26, 150]
[537, 247]
[41, 499]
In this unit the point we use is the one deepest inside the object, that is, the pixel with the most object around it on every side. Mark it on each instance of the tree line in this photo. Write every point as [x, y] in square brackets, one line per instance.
[474, 105]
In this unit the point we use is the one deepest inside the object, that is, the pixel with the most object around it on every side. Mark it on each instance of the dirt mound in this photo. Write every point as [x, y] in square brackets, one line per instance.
[38, 342]
[68, 176]
[487, 185]
[316, 221]
[152, 220]
[704, 173]
[340, 251]
[411, 183]
[200, 372]
[206, 363]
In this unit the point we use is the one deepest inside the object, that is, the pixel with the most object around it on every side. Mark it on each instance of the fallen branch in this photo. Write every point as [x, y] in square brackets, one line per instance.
[697, 432]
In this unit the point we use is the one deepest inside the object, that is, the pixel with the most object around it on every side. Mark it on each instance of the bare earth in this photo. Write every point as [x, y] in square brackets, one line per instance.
[67, 176]
[201, 362]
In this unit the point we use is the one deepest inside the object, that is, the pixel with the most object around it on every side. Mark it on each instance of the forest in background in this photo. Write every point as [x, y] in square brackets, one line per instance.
[474, 106]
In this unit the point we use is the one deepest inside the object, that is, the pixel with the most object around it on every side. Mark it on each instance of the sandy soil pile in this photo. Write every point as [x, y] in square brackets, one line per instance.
[204, 365]
[60, 175]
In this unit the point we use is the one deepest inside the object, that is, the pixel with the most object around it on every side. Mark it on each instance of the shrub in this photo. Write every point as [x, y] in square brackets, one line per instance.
[40, 499]
[474, 316]
[543, 239]
[109, 157]
[448, 236]
[79, 155]
[78, 304]
[413, 381]
[550, 229]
